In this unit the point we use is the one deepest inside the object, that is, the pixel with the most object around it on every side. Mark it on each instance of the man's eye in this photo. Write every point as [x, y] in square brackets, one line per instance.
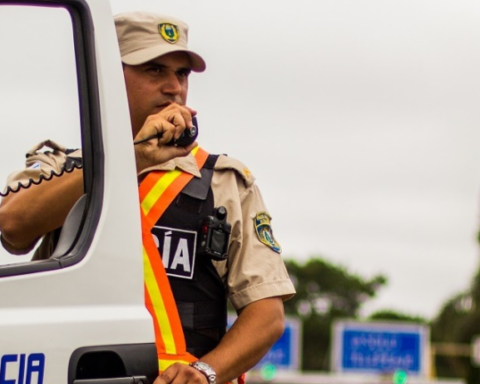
[184, 72]
[155, 69]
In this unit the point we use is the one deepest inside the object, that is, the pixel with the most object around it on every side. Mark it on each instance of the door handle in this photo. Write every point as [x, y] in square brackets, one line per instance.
[114, 380]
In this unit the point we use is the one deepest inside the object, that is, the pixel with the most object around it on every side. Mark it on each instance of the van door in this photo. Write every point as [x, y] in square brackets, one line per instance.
[79, 316]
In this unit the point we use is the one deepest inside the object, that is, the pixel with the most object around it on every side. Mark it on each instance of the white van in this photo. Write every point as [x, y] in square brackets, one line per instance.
[78, 317]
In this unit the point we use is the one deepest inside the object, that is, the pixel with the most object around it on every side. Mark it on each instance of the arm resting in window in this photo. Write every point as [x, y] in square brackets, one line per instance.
[27, 215]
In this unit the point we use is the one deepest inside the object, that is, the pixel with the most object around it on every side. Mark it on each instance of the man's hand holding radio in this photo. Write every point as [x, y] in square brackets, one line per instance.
[164, 127]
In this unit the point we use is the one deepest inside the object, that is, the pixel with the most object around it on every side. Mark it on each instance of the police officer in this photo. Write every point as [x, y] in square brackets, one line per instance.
[215, 237]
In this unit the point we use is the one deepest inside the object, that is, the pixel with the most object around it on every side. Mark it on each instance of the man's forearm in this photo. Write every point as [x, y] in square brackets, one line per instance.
[32, 212]
[258, 326]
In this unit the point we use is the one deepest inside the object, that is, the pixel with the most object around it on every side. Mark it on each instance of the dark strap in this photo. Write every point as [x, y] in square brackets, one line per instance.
[198, 187]
[204, 324]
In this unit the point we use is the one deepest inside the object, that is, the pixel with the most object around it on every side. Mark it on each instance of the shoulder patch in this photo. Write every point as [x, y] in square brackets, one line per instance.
[263, 229]
[225, 162]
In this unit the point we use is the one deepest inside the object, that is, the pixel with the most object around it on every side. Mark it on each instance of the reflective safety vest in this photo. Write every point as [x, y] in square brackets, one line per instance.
[157, 191]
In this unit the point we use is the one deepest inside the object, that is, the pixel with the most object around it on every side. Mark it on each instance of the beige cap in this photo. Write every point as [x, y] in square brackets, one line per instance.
[145, 36]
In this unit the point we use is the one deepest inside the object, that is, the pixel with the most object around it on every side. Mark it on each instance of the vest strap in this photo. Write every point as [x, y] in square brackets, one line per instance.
[157, 191]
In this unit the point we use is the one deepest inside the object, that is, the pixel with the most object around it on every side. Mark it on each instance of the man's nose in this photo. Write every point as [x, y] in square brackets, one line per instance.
[171, 85]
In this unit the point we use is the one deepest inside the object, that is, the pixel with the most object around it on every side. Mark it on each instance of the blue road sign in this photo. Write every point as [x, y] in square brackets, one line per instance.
[284, 353]
[374, 347]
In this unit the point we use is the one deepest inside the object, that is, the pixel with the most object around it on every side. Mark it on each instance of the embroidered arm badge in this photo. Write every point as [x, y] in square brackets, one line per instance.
[264, 231]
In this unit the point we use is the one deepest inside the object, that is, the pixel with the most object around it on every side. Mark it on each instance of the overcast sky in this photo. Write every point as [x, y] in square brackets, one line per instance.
[360, 120]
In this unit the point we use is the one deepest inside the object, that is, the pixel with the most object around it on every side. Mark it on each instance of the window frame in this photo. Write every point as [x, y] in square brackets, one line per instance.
[91, 136]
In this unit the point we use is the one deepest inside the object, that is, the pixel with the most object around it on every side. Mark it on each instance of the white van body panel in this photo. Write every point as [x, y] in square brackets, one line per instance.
[100, 300]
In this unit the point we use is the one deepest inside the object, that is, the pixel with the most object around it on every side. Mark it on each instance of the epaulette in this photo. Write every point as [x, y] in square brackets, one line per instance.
[225, 162]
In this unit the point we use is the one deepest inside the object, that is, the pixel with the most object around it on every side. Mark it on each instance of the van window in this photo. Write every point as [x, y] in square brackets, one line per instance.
[43, 63]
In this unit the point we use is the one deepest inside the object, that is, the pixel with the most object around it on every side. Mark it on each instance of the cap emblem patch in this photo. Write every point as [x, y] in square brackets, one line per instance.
[264, 231]
[169, 32]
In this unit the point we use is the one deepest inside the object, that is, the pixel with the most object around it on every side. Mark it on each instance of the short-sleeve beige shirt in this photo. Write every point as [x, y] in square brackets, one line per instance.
[253, 270]
[39, 165]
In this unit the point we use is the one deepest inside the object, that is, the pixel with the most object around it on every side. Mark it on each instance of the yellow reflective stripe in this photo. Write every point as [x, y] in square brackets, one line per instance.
[163, 364]
[161, 185]
[158, 189]
[158, 305]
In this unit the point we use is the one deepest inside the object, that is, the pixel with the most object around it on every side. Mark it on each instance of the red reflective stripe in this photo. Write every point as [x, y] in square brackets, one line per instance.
[150, 180]
[164, 360]
[166, 295]
[147, 184]
[158, 340]
[167, 197]
[242, 379]
[166, 194]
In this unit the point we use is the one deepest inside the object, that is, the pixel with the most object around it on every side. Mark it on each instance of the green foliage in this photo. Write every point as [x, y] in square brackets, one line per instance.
[468, 328]
[458, 322]
[316, 342]
[325, 288]
[387, 314]
[448, 327]
[324, 293]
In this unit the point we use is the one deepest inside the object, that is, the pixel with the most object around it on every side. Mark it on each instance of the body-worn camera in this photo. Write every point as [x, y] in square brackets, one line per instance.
[187, 137]
[214, 235]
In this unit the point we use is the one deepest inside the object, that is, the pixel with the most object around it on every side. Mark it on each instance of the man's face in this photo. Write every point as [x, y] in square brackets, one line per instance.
[154, 85]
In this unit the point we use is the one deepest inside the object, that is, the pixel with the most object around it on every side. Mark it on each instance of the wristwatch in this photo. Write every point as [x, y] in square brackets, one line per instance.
[207, 370]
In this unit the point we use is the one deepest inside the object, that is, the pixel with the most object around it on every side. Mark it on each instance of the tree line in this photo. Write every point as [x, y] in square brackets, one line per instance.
[327, 292]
